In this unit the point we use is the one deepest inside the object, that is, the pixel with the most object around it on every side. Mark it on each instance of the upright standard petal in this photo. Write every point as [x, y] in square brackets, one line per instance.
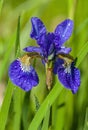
[38, 28]
[47, 44]
[23, 76]
[63, 31]
[69, 77]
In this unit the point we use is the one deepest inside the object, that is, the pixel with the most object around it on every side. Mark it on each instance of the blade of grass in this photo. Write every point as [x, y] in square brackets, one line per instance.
[46, 119]
[17, 44]
[42, 110]
[7, 56]
[86, 121]
[81, 26]
[37, 106]
[18, 94]
[26, 111]
[82, 53]
[18, 99]
[1, 4]
[5, 106]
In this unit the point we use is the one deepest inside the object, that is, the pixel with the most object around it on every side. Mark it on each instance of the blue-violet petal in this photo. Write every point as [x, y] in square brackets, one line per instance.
[63, 31]
[47, 44]
[33, 49]
[58, 63]
[63, 49]
[38, 28]
[69, 77]
[23, 76]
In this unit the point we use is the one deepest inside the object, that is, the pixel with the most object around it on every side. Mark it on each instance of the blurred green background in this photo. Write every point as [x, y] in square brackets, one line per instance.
[71, 109]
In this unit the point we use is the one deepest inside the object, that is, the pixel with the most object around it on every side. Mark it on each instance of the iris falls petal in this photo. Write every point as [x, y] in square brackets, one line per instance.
[57, 65]
[69, 77]
[23, 76]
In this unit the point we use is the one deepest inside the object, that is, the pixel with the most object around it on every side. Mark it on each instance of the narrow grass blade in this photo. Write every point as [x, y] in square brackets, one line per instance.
[26, 111]
[82, 26]
[5, 106]
[7, 56]
[1, 4]
[17, 44]
[18, 94]
[43, 108]
[86, 121]
[82, 53]
[46, 119]
[18, 99]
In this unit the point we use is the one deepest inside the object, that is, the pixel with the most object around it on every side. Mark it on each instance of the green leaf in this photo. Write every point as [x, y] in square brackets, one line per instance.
[82, 26]
[17, 44]
[18, 94]
[18, 100]
[1, 4]
[46, 119]
[43, 108]
[82, 53]
[5, 106]
[7, 56]
[26, 111]
[86, 121]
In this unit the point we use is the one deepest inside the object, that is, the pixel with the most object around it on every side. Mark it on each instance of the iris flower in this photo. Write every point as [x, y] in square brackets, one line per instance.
[54, 56]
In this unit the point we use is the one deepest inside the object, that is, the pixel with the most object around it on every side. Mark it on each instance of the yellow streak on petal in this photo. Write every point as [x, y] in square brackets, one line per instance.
[25, 60]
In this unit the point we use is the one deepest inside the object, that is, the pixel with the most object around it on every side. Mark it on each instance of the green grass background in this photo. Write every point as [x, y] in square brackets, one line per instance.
[31, 110]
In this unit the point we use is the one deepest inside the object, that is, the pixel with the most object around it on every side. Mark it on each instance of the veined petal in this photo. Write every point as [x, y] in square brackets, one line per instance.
[63, 31]
[63, 49]
[58, 63]
[33, 49]
[38, 28]
[23, 76]
[69, 77]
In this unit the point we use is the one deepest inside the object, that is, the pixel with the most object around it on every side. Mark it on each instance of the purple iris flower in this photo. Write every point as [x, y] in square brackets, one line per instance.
[53, 54]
